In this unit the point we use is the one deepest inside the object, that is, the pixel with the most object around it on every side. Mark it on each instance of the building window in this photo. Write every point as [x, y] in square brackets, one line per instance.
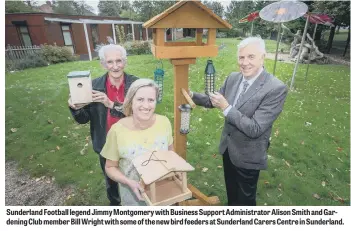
[67, 37]
[24, 36]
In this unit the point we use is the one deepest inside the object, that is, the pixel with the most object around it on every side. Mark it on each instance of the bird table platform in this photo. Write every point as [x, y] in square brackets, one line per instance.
[164, 175]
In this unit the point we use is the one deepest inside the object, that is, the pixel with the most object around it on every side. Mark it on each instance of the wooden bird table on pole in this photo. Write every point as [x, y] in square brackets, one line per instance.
[185, 14]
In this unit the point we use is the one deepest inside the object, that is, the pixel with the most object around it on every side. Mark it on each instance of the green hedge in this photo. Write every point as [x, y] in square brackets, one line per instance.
[56, 54]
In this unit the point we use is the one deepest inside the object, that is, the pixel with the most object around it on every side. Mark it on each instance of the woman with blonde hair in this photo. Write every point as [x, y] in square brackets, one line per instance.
[141, 131]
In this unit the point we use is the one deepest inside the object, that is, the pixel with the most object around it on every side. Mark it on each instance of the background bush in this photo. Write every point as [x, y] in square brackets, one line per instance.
[56, 54]
[32, 60]
[137, 47]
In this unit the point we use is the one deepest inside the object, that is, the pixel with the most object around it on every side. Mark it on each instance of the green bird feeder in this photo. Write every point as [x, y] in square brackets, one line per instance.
[158, 78]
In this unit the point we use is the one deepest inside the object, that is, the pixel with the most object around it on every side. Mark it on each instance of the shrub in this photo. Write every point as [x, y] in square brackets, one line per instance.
[56, 54]
[137, 47]
[30, 61]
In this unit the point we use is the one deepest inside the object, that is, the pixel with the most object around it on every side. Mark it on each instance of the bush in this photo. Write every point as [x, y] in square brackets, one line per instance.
[137, 47]
[56, 54]
[30, 61]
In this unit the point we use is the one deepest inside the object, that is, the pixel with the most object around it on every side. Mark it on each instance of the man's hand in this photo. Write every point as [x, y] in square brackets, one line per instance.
[218, 100]
[75, 106]
[101, 97]
[136, 188]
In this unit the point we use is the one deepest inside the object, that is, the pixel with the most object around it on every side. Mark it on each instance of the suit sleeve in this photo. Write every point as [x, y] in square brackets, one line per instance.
[264, 116]
[81, 115]
[204, 100]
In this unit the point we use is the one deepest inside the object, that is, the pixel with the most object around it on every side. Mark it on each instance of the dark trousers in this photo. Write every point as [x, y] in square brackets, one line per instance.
[241, 184]
[111, 186]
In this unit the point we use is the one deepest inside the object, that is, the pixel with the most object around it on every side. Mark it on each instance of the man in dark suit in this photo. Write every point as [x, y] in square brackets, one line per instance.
[251, 100]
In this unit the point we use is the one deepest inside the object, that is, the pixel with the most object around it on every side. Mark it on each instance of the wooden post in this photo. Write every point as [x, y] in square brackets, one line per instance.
[181, 72]
[211, 36]
[184, 182]
[154, 36]
[199, 32]
[160, 37]
[153, 192]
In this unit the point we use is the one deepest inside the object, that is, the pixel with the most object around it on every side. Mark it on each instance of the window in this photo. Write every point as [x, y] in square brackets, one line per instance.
[24, 36]
[66, 32]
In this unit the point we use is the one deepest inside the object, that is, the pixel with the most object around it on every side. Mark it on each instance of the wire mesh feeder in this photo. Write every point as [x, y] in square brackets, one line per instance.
[210, 76]
[158, 78]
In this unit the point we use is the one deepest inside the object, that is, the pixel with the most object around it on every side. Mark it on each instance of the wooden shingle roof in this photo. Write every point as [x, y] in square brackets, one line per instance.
[187, 14]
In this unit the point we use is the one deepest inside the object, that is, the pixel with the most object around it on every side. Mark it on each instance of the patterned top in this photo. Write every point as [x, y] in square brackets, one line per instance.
[123, 144]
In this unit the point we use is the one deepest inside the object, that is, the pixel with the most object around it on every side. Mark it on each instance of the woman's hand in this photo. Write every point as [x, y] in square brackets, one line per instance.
[136, 188]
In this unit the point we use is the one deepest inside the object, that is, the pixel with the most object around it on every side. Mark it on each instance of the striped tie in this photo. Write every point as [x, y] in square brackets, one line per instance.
[246, 84]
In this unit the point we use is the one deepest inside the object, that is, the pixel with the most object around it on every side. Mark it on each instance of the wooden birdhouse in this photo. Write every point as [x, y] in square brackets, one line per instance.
[185, 14]
[163, 174]
[80, 87]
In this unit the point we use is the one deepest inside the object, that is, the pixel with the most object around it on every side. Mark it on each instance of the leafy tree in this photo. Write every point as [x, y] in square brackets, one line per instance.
[215, 6]
[17, 7]
[72, 8]
[340, 10]
[110, 8]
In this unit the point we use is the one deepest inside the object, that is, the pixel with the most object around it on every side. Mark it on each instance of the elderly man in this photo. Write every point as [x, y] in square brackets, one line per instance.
[108, 93]
[251, 100]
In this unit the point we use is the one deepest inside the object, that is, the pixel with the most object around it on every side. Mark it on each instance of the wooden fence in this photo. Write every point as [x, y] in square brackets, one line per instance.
[20, 52]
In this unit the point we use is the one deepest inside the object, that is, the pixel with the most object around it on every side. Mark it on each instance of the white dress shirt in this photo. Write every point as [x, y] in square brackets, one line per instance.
[250, 82]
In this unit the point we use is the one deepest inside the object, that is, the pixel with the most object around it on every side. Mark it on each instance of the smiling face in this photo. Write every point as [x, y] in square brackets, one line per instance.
[250, 60]
[144, 103]
[114, 63]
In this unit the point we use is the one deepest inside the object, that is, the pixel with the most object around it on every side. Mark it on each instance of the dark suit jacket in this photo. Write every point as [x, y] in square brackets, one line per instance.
[248, 125]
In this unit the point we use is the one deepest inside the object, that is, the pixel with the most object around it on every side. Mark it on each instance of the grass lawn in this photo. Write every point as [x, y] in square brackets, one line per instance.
[309, 161]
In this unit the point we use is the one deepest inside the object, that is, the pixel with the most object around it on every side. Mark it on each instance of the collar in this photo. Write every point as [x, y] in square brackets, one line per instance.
[109, 84]
[252, 80]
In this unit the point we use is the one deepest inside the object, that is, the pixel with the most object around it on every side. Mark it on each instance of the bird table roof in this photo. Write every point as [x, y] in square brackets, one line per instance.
[151, 166]
[187, 14]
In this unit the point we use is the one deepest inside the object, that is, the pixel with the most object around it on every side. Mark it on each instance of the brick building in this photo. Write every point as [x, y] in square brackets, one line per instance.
[79, 33]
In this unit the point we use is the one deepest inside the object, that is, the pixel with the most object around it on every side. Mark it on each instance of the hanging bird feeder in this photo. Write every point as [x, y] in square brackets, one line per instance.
[185, 110]
[210, 75]
[158, 78]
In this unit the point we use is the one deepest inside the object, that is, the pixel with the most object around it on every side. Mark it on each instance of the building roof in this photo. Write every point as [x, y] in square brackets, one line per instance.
[187, 14]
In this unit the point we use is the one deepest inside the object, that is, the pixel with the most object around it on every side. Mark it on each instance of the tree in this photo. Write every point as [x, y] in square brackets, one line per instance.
[148, 9]
[82, 8]
[110, 8]
[215, 6]
[17, 7]
[72, 8]
[340, 10]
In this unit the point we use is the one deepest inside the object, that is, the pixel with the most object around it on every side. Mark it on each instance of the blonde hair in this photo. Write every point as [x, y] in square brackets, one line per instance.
[136, 85]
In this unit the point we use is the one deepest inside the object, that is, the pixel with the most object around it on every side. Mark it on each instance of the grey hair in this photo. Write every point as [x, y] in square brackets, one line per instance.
[252, 40]
[109, 47]
[136, 85]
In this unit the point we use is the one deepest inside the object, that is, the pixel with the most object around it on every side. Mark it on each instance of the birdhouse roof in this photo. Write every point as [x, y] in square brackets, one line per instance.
[187, 14]
[152, 166]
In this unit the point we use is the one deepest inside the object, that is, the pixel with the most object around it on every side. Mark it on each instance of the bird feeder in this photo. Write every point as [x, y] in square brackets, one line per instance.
[80, 87]
[163, 174]
[158, 78]
[210, 74]
[185, 110]
[185, 14]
